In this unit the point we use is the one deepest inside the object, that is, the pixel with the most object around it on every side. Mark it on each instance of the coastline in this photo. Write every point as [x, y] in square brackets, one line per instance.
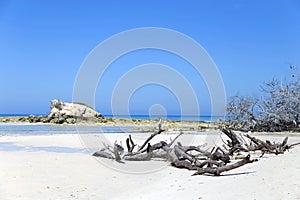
[146, 125]
[143, 125]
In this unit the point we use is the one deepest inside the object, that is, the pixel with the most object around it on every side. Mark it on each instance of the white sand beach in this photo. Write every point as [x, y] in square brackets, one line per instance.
[31, 169]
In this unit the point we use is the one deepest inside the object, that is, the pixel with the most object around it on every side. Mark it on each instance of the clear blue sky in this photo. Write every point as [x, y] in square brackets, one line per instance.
[43, 43]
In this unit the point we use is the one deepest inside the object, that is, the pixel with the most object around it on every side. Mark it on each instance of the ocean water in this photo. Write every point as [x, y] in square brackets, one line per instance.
[44, 129]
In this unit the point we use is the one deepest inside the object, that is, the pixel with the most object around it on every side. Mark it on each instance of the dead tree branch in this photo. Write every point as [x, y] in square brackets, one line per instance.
[214, 161]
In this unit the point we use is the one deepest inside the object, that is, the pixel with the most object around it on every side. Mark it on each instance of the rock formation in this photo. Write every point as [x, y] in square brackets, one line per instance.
[75, 110]
[62, 113]
[71, 113]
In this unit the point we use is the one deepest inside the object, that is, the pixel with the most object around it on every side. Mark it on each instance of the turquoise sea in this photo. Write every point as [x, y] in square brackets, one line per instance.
[45, 129]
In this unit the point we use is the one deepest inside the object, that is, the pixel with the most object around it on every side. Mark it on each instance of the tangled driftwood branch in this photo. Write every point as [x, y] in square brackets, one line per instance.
[216, 161]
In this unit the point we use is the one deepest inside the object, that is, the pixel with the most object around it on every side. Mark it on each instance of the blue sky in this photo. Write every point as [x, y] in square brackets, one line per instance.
[43, 44]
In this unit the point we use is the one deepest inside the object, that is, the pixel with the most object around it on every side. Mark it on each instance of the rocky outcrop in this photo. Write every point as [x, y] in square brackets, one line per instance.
[71, 113]
[75, 110]
[62, 113]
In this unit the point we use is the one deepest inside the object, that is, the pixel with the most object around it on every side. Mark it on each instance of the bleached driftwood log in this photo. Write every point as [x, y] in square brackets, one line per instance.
[215, 162]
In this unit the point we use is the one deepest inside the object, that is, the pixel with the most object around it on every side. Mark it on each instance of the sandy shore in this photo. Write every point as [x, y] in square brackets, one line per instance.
[60, 167]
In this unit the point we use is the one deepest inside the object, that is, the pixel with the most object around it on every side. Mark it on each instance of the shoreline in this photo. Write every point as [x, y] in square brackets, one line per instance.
[139, 124]
[139, 118]
[147, 126]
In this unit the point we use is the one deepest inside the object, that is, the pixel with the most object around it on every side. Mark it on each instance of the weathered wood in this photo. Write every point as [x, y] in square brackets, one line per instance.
[161, 154]
[200, 151]
[264, 146]
[183, 164]
[292, 145]
[103, 154]
[232, 136]
[218, 170]
[160, 130]
[214, 161]
[210, 162]
[130, 144]
[108, 147]
[154, 147]
[138, 157]
[283, 146]
[117, 153]
[181, 154]
[172, 142]
[220, 155]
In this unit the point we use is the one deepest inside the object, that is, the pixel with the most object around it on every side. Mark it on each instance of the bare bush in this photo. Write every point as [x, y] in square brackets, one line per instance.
[242, 111]
[277, 110]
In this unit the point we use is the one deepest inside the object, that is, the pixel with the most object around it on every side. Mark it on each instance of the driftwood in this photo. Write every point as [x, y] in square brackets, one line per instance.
[103, 154]
[268, 147]
[240, 144]
[160, 130]
[215, 161]
[218, 170]
[117, 152]
[130, 144]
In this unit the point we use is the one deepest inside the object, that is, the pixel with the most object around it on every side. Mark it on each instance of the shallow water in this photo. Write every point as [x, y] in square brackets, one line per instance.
[45, 129]
[28, 129]
[10, 146]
